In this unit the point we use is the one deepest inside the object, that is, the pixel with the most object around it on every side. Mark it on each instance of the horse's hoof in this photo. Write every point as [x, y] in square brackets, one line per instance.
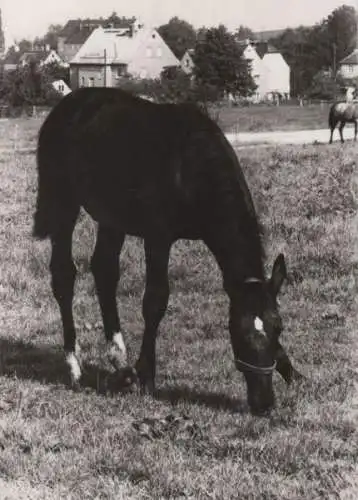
[146, 387]
[76, 385]
[127, 376]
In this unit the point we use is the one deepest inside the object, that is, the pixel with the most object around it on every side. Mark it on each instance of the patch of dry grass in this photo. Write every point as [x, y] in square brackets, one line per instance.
[55, 443]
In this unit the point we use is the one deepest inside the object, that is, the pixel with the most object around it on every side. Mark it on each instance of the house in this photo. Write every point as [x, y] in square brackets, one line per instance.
[269, 70]
[76, 32]
[11, 60]
[348, 67]
[110, 54]
[41, 57]
[187, 62]
[61, 87]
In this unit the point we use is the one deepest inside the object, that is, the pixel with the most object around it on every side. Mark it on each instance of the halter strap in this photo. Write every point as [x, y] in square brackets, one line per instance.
[253, 280]
[242, 366]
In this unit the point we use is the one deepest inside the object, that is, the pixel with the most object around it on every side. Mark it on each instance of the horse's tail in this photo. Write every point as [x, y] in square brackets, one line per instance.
[53, 195]
[331, 117]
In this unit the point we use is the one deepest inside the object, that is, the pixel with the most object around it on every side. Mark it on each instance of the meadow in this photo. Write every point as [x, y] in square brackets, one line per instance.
[196, 438]
[261, 118]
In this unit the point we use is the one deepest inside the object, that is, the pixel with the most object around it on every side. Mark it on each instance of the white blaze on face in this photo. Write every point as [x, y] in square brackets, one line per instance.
[259, 325]
[117, 351]
[74, 365]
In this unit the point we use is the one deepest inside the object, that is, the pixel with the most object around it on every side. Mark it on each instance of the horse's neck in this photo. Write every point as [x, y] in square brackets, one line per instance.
[239, 256]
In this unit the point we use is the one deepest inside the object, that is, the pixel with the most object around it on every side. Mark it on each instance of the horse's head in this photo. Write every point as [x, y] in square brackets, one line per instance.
[255, 326]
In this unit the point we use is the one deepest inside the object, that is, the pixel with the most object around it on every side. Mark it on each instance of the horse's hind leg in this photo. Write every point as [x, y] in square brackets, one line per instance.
[341, 127]
[155, 302]
[63, 272]
[105, 268]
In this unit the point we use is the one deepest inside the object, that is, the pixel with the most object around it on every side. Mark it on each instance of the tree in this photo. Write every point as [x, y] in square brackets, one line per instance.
[244, 33]
[116, 20]
[179, 35]
[220, 67]
[341, 30]
[26, 86]
[309, 51]
[325, 86]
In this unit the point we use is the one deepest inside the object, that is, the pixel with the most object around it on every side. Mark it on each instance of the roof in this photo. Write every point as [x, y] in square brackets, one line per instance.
[76, 31]
[266, 35]
[34, 55]
[115, 44]
[262, 48]
[351, 58]
[12, 57]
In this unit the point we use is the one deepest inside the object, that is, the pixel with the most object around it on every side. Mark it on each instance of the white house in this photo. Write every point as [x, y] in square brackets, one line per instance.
[111, 53]
[257, 68]
[61, 87]
[42, 57]
[271, 72]
[348, 67]
[276, 76]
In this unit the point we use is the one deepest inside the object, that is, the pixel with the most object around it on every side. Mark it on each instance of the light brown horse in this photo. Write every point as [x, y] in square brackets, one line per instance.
[342, 113]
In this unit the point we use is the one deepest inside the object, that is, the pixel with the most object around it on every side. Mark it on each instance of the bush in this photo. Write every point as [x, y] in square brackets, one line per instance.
[27, 86]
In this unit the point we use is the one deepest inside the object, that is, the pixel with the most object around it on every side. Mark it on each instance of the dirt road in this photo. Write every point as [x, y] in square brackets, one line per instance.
[288, 137]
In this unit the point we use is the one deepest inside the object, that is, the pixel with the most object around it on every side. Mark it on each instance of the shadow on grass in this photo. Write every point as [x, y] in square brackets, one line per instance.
[46, 364]
[213, 400]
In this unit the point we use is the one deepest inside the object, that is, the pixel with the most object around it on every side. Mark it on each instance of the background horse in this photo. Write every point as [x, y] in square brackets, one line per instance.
[160, 172]
[342, 113]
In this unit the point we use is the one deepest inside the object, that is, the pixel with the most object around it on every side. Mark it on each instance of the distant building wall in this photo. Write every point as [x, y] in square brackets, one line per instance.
[349, 70]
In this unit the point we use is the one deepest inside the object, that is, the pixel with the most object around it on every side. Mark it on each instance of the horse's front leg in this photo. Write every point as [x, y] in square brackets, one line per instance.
[355, 129]
[155, 302]
[105, 269]
[284, 366]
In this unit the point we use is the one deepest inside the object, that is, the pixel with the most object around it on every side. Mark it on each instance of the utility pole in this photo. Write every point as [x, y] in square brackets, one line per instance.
[105, 68]
[334, 62]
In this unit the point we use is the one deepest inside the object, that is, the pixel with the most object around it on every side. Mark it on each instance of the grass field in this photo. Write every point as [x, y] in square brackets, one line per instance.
[263, 118]
[196, 439]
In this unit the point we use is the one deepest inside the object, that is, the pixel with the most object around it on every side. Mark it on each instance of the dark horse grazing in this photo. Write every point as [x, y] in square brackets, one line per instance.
[160, 172]
[342, 113]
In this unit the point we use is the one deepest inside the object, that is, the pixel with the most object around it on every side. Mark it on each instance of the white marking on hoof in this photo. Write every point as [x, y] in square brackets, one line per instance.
[73, 363]
[117, 351]
[259, 326]
[78, 353]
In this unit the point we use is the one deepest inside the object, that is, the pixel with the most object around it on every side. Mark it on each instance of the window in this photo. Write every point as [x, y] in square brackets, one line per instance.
[82, 81]
[143, 73]
[149, 52]
[120, 71]
[159, 52]
[91, 81]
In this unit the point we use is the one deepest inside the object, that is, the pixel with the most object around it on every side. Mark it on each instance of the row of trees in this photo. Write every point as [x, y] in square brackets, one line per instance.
[312, 53]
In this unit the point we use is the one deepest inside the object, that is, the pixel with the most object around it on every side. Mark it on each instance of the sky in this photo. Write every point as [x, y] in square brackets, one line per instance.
[31, 18]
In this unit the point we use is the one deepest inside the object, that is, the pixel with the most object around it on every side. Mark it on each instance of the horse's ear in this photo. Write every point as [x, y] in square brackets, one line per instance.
[279, 274]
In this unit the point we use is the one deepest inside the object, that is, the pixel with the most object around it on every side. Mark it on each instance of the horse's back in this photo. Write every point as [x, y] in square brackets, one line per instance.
[347, 111]
[137, 164]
